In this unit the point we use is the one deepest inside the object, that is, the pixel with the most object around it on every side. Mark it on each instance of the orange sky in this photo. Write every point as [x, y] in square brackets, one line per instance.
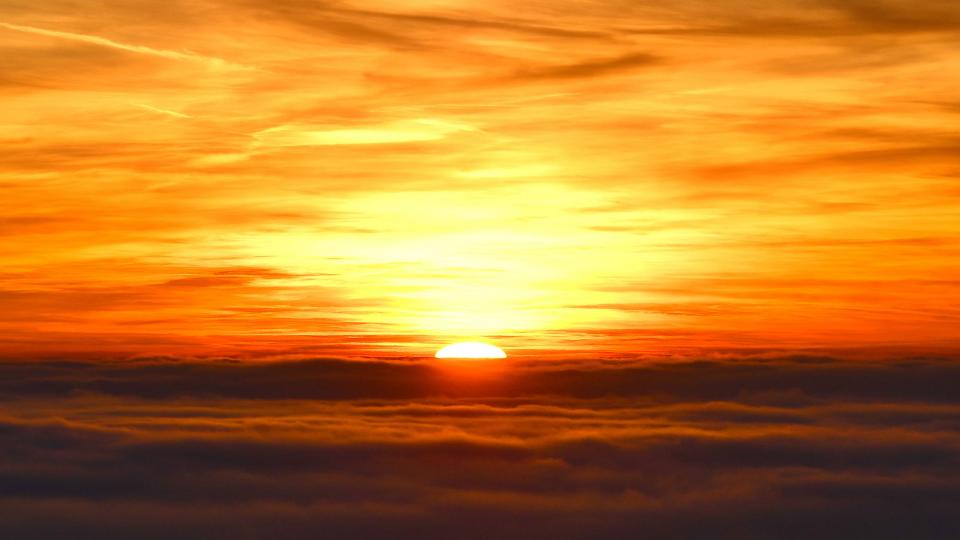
[261, 177]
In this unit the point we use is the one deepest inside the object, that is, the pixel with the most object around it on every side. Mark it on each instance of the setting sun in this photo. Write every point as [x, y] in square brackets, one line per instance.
[471, 350]
[687, 269]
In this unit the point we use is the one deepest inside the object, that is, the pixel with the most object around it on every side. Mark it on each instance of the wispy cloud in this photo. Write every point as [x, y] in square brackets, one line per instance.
[139, 49]
[167, 112]
[438, 163]
[401, 131]
[591, 68]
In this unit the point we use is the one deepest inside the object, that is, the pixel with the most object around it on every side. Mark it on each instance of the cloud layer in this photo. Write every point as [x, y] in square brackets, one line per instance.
[752, 448]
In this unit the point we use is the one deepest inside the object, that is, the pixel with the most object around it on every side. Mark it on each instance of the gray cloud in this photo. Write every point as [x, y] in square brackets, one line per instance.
[394, 450]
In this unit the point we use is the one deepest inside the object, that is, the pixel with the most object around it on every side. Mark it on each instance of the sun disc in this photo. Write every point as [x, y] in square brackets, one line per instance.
[471, 350]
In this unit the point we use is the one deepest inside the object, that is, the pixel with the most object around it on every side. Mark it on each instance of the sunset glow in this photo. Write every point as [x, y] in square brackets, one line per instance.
[244, 178]
[479, 269]
[471, 350]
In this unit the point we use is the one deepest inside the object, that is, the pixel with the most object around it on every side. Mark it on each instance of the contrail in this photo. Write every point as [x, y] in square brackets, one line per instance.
[97, 40]
[162, 111]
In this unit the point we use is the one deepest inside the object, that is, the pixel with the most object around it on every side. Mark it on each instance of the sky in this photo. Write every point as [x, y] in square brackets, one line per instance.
[279, 178]
[719, 242]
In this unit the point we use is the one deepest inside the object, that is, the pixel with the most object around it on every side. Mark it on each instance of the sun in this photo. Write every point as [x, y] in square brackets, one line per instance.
[471, 350]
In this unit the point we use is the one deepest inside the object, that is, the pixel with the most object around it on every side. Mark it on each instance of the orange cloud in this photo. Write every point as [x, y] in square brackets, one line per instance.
[573, 180]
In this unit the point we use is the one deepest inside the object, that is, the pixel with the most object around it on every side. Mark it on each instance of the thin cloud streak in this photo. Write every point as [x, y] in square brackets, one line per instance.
[140, 49]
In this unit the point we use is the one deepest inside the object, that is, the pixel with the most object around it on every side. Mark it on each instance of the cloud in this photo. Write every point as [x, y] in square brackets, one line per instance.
[399, 450]
[419, 130]
[474, 22]
[813, 377]
[940, 155]
[140, 49]
[590, 68]
[166, 112]
[897, 16]
[791, 19]
[411, 29]
[720, 132]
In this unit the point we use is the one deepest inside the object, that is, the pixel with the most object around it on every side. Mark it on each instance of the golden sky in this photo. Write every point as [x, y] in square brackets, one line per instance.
[567, 177]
